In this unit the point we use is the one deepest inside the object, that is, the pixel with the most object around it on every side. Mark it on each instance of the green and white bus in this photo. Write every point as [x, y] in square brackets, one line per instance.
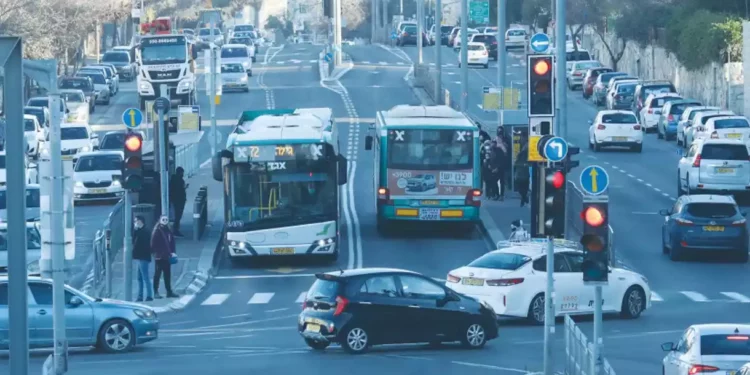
[281, 172]
[427, 165]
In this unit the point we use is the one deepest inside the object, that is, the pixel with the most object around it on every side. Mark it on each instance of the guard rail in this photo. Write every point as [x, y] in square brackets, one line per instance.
[186, 156]
[200, 213]
[579, 353]
[108, 242]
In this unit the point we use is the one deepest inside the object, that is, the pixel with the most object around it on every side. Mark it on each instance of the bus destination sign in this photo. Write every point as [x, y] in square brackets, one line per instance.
[259, 153]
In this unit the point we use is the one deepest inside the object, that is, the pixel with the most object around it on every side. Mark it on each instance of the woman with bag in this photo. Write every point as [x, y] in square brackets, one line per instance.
[163, 248]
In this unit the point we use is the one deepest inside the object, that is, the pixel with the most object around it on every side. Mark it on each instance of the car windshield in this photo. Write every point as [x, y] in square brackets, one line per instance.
[731, 123]
[656, 89]
[32, 198]
[39, 102]
[430, 149]
[410, 29]
[33, 238]
[99, 163]
[577, 56]
[29, 125]
[605, 77]
[724, 152]
[626, 89]
[679, 108]
[232, 68]
[113, 141]
[484, 39]
[619, 118]
[116, 57]
[38, 113]
[711, 210]
[96, 78]
[245, 41]
[500, 261]
[75, 84]
[227, 53]
[725, 345]
[659, 102]
[516, 32]
[78, 132]
[244, 28]
[72, 97]
[104, 70]
[474, 47]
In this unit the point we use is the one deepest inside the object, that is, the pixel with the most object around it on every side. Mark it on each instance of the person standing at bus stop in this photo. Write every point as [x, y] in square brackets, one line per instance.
[142, 255]
[178, 197]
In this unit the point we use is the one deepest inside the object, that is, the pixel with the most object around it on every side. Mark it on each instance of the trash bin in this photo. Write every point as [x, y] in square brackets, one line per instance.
[147, 211]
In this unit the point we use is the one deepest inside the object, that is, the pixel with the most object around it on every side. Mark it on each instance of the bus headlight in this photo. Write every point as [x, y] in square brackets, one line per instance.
[325, 242]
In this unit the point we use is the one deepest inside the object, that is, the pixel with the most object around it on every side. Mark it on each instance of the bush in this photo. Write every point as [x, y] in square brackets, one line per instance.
[698, 42]
[731, 30]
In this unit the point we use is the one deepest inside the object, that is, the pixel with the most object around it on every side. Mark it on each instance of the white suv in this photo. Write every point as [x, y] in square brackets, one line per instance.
[714, 165]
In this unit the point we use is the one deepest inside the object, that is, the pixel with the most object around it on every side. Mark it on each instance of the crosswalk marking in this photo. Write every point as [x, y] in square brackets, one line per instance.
[695, 296]
[736, 296]
[301, 297]
[655, 297]
[260, 298]
[215, 299]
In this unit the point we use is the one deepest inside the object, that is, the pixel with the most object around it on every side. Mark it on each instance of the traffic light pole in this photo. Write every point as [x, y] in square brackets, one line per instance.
[464, 53]
[127, 257]
[596, 357]
[561, 125]
[549, 308]
[439, 52]
[164, 172]
[420, 32]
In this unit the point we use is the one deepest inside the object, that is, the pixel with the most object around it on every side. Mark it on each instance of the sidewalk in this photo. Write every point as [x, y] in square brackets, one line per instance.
[190, 274]
[496, 216]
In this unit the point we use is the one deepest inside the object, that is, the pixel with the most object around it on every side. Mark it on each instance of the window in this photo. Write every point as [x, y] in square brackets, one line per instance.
[679, 108]
[587, 65]
[711, 210]
[626, 89]
[228, 53]
[38, 113]
[474, 47]
[516, 32]
[42, 293]
[99, 163]
[734, 345]
[646, 90]
[724, 152]
[4, 294]
[73, 133]
[113, 141]
[619, 118]
[324, 290]
[32, 198]
[575, 260]
[500, 261]
[33, 238]
[97, 78]
[659, 102]
[29, 125]
[577, 56]
[232, 68]
[418, 288]
[561, 265]
[731, 123]
[116, 57]
[692, 152]
[384, 286]
[430, 149]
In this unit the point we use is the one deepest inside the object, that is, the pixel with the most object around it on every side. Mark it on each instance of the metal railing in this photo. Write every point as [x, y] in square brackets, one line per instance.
[579, 352]
[200, 213]
[186, 156]
[108, 242]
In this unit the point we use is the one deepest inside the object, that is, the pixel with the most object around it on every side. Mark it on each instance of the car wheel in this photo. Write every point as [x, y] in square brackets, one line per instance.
[597, 147]
[536, 310]
[633, 303]
[679, 140]
[116, 336]
[664, 248]
[317, 345]
[474, 337]
[687, 185]
[355, 340]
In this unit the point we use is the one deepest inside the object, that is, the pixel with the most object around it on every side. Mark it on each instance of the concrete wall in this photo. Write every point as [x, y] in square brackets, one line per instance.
[716, 84]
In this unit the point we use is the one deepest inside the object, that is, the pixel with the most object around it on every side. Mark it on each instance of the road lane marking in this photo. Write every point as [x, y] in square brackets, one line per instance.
[695, 296]
[234, 316]
[737, 296]
[655, 297]
[490, 367]
[215, 299]
[277, 310]
[260, 298]
[301, 297]
[177, 323]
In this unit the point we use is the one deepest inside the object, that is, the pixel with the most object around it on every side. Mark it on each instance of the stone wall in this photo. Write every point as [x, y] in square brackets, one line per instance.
[716, 84]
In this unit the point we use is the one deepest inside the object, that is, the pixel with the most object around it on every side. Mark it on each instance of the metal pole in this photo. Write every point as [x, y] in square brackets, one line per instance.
[337, 32]
[216, 70]
[502, 53]
[439, 52]
[549, 307]
[108, 263]
[561, 123]
[127, 257]
[164, 171]
[16, 205]
[596, 358]
[402, 10]
[420, 32]
[464, 55]
[373, 20]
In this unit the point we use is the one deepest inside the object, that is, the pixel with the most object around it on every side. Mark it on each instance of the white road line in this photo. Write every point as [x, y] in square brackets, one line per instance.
[737, 296]
[695, 296]
[301, 297]
[639, 180]
[655, 297]
[215, 299]
[260, 298]
[630, 175]
[354, 215]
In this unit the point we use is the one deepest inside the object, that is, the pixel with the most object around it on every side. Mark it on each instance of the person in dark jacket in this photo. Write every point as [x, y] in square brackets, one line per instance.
[522, 173]
[500, 153]
[163, 248]
[178, 197]
[142, 255]
[488, 176]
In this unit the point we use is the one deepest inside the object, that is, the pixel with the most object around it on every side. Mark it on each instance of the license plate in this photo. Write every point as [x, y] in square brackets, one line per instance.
[283, 250]
[472, 281]
[429, 214]
[431, 203]
[724, 170]
[731, 372]
[734, 136]
[713, 228]
[312, 328]
[67, 157]
[98, 191]
[620, 139]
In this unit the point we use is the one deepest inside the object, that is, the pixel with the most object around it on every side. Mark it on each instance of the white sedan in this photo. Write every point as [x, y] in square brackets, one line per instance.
[512, 280]
[615, 128]
[477, 55]
[721, 348]
[97, 176]
[35, 135]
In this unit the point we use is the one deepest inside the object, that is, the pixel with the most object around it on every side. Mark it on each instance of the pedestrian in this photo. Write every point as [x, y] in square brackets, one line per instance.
[490, 184]
[178, 197]
[142, 255]
[522, 173]
[499, 164]
[163, 248]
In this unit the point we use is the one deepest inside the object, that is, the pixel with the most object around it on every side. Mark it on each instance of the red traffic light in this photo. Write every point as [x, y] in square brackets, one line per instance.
[593, 216]
[556, 179]
[133, 143]
[541, 67]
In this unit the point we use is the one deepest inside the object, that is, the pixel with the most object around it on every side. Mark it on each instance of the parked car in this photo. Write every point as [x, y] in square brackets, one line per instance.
[84, 84]
[126, 67]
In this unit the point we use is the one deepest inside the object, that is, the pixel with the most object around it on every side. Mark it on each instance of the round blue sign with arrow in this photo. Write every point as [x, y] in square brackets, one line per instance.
[539, 43]
[594, 180]
[132, 118]
[556, 149]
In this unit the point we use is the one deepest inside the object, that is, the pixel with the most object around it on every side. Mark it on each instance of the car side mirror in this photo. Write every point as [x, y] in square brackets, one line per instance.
[75, 301]
[667, 346]
[368, 143]
[664, 212]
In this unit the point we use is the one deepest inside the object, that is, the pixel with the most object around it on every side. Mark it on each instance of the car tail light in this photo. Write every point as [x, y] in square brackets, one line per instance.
[474, 197]
[714, 135]
[577, 74]
[453, 279]
[683, 222]
[600, 127]
[304, 303]
[701, 369]
[484, 53]
[739, 223]
[341, 303]
[670, 118]
[697, 162]
[637, 127]
[738, 338]
[504, 282]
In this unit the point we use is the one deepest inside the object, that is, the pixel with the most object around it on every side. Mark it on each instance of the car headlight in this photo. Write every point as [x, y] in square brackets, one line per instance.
[245, 64]
[85, 149]
[144, 86]
[116, 183]
[243, 79]
[33, 268]
[79, 184]
[145, 314]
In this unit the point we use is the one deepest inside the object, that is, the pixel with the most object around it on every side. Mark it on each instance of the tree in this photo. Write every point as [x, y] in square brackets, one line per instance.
[535, 13]
[595, 13]
[274, 23]
[639, 20]
[731, 30]
[355, 13]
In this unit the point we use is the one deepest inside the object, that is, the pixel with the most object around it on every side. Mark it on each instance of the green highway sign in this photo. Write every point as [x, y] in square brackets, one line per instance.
[479, 11]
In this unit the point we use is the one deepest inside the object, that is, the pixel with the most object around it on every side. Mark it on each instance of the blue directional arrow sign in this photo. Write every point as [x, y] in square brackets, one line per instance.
[329, 57]
[539, 43]
[132, 118]
[556, 149]
[594, 180]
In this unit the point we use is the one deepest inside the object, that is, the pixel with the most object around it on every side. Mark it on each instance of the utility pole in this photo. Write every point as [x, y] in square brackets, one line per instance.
[420, 32]
[212, 94]
[163, 147]
[127, 256]
[337, 31]
[438, 52]
[402, 11]
[561, 123]
[502, 53]
[549, 306]
[464, 52]
[373, 20]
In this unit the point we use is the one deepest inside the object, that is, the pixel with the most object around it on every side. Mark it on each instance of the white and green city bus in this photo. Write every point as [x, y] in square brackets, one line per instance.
[427, 165]
[281, 171]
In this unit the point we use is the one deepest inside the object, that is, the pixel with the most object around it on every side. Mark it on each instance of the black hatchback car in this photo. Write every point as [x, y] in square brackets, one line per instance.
[374, 306]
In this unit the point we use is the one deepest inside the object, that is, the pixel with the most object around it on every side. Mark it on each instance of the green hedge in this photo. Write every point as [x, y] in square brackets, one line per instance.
[695, 40]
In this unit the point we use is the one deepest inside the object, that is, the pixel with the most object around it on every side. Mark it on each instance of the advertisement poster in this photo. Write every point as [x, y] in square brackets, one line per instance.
[406, 184]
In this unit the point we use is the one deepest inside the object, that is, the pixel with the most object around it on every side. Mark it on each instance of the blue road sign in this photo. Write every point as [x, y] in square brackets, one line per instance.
[329, 57]
[556, 149]
[132, 118]
[394, 36]
[539, 43]
[594, 180]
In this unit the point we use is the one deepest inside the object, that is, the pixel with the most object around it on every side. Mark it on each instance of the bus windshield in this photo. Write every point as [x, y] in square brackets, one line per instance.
[428, 149]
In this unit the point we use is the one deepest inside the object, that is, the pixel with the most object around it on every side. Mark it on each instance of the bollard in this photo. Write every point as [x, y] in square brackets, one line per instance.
[197, 217]
[108, 264]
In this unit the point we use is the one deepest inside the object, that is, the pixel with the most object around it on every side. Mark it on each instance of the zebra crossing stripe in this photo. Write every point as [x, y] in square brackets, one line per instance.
[695, 296]
[260, 298]
[737, 297]
[301, 297]
[215, 299]
[655, 297]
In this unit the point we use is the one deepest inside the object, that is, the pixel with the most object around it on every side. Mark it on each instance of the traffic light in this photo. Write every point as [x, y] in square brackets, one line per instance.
[595, 241]
[328, 8]
[554, 202]
[569, 163]
[132, 169]
[541, 86]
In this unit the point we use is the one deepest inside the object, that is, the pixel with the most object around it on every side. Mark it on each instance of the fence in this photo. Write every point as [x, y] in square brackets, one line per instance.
[186, 156]
[108, 242]
[579, 353]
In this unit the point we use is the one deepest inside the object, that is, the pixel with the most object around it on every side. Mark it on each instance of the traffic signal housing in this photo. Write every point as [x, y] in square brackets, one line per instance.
[595, 241]
[541, 86]
[569, 163]
[132, 167]
[554, 202]
[328, 8]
